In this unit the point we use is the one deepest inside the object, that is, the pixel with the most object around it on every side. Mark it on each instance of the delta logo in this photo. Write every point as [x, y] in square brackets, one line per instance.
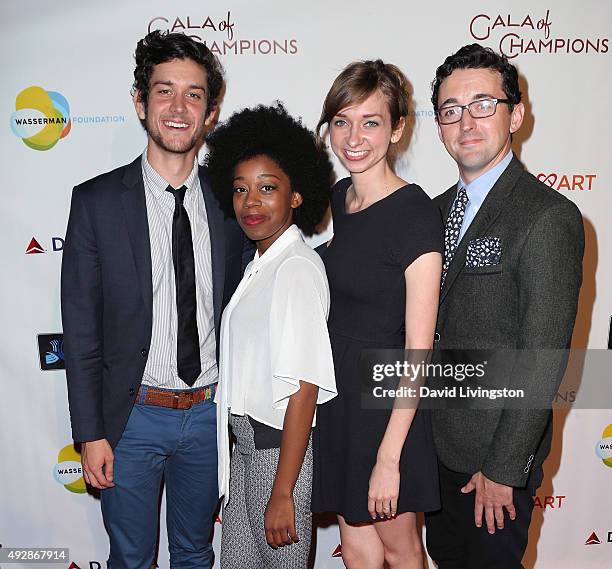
[603, 449]
[35, 248]
[338, 551]
[41, 118]
[90, 565]
[68, 471]
[593, 539]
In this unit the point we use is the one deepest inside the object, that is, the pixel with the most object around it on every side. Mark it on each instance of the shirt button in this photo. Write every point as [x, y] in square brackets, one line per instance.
[131, 392]
[143, 352]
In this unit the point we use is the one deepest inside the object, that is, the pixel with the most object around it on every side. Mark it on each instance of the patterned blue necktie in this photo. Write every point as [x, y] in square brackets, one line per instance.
[453, 228]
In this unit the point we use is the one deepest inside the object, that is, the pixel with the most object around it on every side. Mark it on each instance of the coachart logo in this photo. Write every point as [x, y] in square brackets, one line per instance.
[545, 502]
[68, 470]
[51, 352]
[41, 118]
[35, 248]
[568, 182]
[514, 33]
[220, 35]
[603, 449]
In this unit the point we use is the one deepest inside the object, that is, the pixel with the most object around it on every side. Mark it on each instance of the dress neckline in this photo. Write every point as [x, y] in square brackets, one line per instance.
[371, 205]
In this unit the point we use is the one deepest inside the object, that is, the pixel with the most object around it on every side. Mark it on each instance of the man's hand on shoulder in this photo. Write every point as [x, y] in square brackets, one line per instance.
[492, 497]
[97, 460]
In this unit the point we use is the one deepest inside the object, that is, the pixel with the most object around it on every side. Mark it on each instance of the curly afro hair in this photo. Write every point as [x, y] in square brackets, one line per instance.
[272, 132]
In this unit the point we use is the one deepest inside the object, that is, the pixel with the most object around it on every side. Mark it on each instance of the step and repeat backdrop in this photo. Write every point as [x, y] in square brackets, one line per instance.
[73, 62]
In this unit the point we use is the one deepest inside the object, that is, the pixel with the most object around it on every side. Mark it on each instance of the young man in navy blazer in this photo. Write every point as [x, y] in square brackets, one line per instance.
[511, 278]
[149, 262]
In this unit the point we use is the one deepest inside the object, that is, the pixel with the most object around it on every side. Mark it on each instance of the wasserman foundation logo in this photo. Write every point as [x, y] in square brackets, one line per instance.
[68, 470]
[41, 118]
[603, 449]
[530, 33]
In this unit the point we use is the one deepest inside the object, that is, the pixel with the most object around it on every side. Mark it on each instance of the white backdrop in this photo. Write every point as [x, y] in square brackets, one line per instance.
[274, 49]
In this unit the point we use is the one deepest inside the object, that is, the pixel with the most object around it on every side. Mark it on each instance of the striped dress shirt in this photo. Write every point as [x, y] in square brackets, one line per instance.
[161, 367]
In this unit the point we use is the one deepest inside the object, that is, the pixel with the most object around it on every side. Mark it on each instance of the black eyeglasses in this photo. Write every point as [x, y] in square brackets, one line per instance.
[480, 109]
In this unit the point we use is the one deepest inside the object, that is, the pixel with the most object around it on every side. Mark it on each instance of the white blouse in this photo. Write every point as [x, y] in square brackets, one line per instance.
[273, 334]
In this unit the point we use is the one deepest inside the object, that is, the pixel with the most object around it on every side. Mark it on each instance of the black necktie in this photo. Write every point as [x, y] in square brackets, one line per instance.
[188, 342]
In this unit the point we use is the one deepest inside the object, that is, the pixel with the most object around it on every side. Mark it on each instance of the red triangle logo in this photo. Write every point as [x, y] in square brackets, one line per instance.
[35, 247]
[337, 552]
[73, 565]
[592, 540]
[218, 520]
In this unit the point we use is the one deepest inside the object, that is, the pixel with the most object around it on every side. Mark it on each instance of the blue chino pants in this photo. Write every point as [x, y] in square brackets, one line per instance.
[181, 446]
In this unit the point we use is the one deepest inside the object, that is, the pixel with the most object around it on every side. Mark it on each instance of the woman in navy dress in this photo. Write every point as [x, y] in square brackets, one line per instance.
[376, 468]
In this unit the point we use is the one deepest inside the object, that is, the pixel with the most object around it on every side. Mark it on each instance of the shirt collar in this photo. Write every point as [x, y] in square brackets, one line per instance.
[289, 236]
[157, 183]
[478, 189]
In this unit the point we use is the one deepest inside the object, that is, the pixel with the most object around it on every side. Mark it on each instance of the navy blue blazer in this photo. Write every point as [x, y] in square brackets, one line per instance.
[107, 297]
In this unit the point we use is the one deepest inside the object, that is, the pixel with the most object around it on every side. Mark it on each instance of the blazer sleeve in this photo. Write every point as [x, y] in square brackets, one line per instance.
[82, 306]
[549, 278]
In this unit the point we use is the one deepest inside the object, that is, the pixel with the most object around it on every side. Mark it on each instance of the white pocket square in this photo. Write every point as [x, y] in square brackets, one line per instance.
[483, 252]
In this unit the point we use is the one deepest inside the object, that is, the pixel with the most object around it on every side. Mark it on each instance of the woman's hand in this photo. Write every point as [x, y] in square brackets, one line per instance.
[384, 489]
[279, 521]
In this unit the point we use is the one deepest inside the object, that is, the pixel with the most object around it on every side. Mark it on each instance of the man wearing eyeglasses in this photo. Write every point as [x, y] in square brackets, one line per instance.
[511, 278]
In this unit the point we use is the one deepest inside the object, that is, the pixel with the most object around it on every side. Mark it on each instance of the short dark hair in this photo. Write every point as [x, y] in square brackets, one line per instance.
[358, 80]
[272, 132]
[476, 56]
[157, 47]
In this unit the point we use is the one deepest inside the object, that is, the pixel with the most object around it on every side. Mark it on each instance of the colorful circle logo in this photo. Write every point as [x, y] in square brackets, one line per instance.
[41, 118]
[68, 470]
[604, 446]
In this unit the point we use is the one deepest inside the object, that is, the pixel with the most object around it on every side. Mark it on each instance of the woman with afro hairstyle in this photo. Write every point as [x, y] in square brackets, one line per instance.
[275, 354]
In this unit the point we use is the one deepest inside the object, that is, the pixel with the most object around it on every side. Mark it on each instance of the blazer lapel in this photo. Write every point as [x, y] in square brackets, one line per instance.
[487, 214]
[217, 246]
[135, 210]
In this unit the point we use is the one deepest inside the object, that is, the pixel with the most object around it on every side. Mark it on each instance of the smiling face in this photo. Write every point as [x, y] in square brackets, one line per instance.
[360, 134]
[477, 145]
[263, 200]
[176, 113]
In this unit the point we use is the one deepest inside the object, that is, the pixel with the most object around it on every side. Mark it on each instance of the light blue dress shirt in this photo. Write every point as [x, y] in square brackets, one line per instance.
[478, 189]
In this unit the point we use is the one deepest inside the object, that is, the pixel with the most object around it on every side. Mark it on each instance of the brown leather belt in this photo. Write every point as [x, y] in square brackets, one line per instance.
[174, 399]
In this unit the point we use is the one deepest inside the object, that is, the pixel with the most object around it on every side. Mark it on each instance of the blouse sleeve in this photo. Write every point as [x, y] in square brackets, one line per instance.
[299, 340]
[418, 229]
